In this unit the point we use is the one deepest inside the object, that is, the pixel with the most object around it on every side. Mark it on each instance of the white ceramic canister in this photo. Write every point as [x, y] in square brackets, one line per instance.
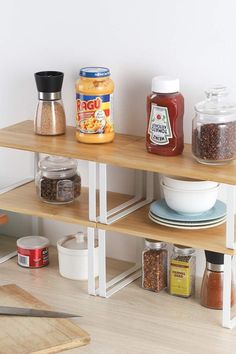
[73, 257]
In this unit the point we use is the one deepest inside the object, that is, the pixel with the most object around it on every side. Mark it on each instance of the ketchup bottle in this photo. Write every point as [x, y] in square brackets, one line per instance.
[165, 110]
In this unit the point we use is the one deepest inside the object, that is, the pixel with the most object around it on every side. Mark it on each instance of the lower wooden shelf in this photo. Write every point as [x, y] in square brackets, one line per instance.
[25, 201]
[139, 224]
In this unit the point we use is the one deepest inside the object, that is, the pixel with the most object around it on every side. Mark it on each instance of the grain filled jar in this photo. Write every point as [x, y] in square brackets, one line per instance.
[154, 265]
[214, 128]
[182, 271]
[94, 102]
[57, 180]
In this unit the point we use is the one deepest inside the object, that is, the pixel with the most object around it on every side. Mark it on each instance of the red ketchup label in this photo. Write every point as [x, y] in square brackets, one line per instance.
[33, 258]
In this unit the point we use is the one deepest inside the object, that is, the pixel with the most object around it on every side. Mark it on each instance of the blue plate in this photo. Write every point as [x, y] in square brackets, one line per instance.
[161, 209]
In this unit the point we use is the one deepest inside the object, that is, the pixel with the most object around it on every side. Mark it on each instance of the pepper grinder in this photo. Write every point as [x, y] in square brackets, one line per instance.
[50, 115]
[212, 284]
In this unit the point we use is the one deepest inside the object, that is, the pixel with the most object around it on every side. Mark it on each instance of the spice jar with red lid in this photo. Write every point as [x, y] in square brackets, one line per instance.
[165, 110]
[214, 128]
[212, 284]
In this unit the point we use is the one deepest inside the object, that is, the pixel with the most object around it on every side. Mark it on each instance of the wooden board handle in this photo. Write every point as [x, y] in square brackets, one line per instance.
[3, 219]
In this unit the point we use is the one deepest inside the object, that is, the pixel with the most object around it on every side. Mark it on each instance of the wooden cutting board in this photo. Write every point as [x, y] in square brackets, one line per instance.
[24, 335]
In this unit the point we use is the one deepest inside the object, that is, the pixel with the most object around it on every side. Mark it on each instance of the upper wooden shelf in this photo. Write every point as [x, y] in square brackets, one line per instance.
[126, 151]
[139, 224]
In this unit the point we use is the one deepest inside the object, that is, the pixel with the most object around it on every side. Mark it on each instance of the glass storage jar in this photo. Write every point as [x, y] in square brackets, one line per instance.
[182, 271]
[57, 180]
[154, 265]
[214, 128]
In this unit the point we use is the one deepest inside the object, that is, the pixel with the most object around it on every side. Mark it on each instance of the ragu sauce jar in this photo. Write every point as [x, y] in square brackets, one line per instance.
[32, 251]
[165, 110]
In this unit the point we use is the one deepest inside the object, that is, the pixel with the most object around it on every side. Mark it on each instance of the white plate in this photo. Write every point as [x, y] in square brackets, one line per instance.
[186, 227]
[187, 223]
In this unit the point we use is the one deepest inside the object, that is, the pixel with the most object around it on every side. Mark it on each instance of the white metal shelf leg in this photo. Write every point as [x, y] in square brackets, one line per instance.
[103, 193]
[91, 273]
[34, 219]
[226, 320]
[149, 186]
[102, 262]
[230, 242]
[92, 191]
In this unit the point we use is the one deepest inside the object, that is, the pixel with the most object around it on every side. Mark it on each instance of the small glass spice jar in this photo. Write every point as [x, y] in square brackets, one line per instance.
[214, 128]
[58, 181]
[182, 271]
[154, 265]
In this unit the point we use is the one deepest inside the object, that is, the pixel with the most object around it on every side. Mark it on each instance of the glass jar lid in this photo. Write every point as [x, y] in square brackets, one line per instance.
[55, 165]
[183, 250]
[154, 244]
[94, 71]
[217, 102]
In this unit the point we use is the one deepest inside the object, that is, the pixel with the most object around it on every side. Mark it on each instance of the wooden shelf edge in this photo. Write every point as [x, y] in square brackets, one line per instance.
[138, 224]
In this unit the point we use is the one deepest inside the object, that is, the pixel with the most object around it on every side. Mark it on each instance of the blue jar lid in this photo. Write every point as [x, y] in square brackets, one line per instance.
[94, 71]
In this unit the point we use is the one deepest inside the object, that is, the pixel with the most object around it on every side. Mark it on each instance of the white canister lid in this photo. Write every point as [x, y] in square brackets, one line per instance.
[32, 242]
[165, 84]
[76, 242]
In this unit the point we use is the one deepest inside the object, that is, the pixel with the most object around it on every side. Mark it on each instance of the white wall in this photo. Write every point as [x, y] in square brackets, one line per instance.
[194, 40]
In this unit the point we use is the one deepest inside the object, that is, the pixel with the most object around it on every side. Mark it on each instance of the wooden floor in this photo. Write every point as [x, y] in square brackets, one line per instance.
[132, 321]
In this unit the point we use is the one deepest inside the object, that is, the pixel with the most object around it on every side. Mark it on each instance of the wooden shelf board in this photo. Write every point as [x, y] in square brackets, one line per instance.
[21, 136]
[126, 151]
[25, 201]
[138, 224]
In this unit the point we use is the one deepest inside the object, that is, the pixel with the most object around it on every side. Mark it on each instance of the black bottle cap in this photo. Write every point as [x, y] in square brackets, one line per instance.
[49, 81]
[214, 257]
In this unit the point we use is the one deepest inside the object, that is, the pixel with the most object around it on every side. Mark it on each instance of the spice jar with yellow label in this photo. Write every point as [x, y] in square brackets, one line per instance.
[182, 271]
[94, 98]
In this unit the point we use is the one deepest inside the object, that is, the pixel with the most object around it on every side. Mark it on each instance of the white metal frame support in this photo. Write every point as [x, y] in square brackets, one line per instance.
[230, 242]
[106, 289]
[35, 220]
[91, 273]
[92, 190]
[227, 322]
[108, 217]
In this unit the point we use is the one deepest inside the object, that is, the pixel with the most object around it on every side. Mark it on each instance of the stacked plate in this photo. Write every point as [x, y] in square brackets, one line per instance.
[161, 214]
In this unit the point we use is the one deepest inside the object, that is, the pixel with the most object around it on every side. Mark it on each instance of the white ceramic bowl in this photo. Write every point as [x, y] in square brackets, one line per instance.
[187, 183]
[190, 202]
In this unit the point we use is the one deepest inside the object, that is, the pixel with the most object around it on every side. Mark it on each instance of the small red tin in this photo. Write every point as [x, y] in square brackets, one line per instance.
[33, 251]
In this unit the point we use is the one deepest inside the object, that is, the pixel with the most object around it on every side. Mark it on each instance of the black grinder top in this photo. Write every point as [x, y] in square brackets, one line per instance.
[49, 81]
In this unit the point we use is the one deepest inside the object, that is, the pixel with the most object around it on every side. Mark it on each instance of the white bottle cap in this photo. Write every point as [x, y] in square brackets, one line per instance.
[165, 84]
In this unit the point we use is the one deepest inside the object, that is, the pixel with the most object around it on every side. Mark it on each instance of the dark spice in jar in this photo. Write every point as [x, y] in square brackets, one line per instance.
[154, 269]
[60, 190]
[215, 141]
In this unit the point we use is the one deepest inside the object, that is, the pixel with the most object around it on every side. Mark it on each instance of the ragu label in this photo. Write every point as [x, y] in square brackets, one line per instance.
[159, 127]
[94, 114]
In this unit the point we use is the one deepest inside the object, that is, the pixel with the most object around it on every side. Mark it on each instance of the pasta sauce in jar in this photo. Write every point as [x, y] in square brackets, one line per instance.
[165, 110]
[94, 98]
